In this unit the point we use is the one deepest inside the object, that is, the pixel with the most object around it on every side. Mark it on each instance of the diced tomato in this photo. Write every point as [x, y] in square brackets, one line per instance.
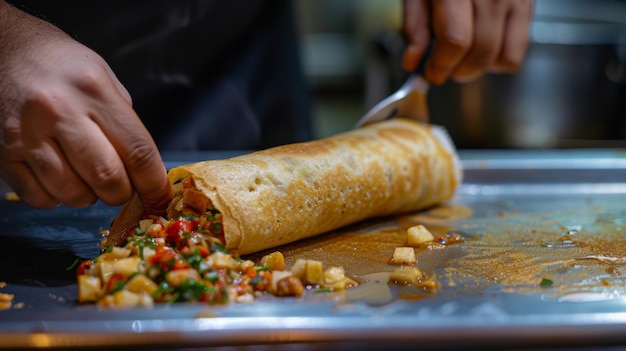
[168, 259]
[187, 183]
[203, 251]
[114, 281]
[241, 288]
[85, 265]
[251, 272]
[264, 282]
[176, 229]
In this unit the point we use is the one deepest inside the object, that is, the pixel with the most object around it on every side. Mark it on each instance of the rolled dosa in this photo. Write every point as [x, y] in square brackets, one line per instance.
[279, 195]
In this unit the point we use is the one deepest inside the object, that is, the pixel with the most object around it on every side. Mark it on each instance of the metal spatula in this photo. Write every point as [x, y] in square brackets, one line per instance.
[409, 101]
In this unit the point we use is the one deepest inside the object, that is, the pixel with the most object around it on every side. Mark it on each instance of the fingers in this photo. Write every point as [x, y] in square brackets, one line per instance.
[516, 37]
[138, 152]
[470, 37]
[489, 19]
[56, 176]
[68, 133]
[500, 38]
[416, 32]
[22, 180]
[453, 27]
[94, 148]
[97, 163]
[68, 154]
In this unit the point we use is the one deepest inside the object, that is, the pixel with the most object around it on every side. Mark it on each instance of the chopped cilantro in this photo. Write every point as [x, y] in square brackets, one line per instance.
[73, 265]
[119, 285]
[203, 267]
[164, 287]
[322, 290]
[546, 282]
[212, 276]
[217, 247]
[143, 242]
[216, 227]
[262, 268]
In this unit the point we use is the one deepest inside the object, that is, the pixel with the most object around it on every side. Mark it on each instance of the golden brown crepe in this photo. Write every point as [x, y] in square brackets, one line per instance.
[283, 194]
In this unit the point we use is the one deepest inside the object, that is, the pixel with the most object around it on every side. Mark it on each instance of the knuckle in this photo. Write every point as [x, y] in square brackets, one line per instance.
[38, 161]
[106, 177]
[108, 182]
[10, 134]
[89, 82]
[456, 40]
[141, 155]
[508, 61]
[90, 79]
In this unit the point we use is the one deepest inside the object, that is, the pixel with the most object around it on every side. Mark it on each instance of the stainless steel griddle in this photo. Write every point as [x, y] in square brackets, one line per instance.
[508, 192]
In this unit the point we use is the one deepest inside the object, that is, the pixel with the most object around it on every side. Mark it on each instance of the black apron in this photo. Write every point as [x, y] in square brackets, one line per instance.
[203, 74]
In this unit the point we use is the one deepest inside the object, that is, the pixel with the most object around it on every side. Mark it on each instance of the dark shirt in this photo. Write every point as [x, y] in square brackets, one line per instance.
[203, 74]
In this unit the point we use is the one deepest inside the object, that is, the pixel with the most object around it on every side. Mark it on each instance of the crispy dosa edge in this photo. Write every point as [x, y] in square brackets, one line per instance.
[275, 196]
[126, 219]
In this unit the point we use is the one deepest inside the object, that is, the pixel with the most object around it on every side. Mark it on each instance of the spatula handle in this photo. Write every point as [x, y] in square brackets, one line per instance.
[422, 64]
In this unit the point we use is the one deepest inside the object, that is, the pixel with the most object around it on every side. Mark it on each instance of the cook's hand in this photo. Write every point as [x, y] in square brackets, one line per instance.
[471, 37]
[68, 132]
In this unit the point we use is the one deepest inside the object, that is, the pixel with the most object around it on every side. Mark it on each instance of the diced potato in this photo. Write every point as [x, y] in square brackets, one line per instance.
[299, 268]
[145, 300]
[89, 288]
[6, 297]
[222, 260]
[179, 276]
[335, 278]
[418, 235]
[403, 256]
[314, 272]
[126, 299]
[106, 302]
[275, 260]
[308, 271]
[141, 284]
[245, 298]
[104, 269]
[127, 266]
[11, 196]
[145, 224]
[406, 275]
[115, 253]
[244, 265]
[289, 286]
[277, 276]
[231, 293]
[148, 253]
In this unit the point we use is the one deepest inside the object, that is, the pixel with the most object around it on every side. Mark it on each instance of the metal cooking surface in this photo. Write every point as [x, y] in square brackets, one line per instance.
[524, 216]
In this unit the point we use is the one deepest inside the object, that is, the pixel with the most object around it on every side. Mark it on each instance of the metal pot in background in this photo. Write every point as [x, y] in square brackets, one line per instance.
[570, 91]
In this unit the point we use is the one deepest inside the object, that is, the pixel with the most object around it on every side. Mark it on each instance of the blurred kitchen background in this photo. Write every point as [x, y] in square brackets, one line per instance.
[570, 92]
